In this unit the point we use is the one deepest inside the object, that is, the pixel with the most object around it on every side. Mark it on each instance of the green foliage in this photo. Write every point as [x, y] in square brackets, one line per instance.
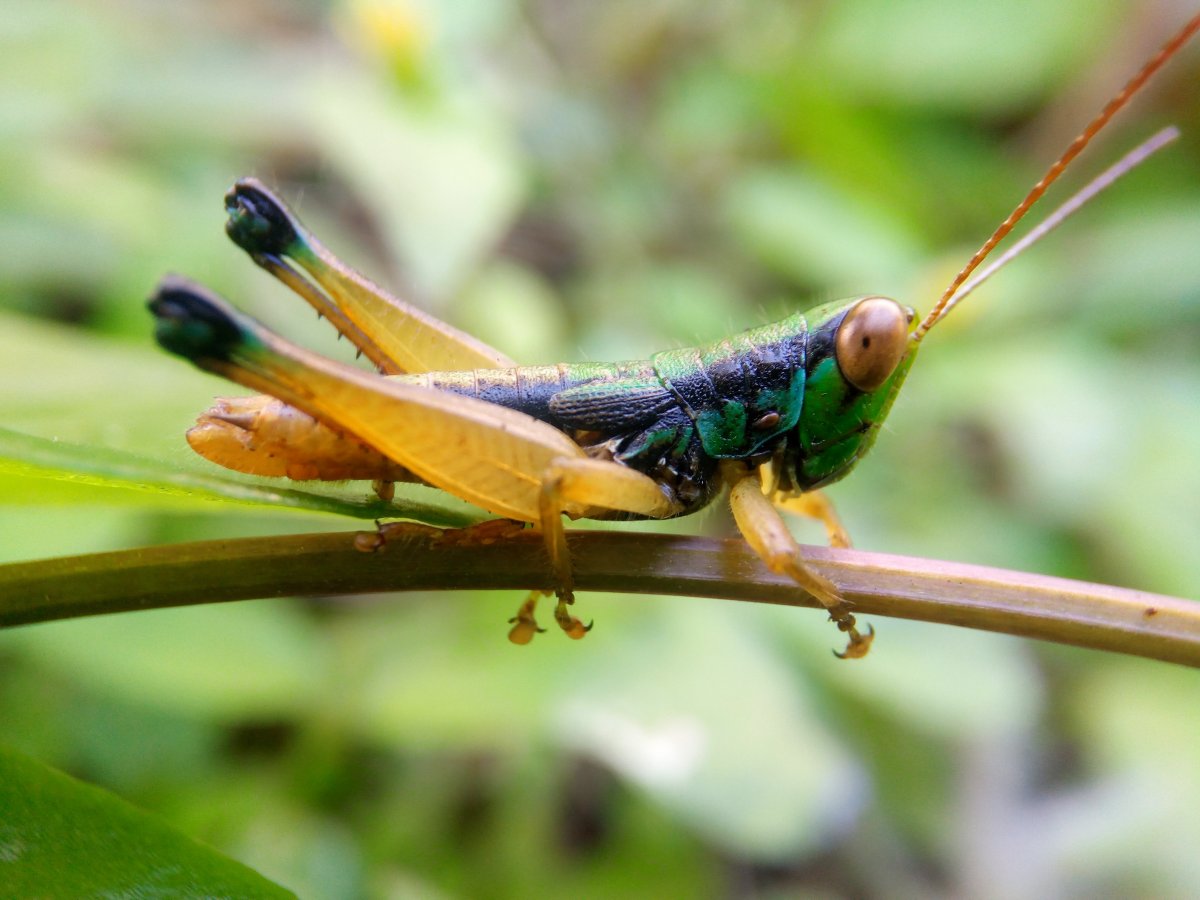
[600, 181]
[75, 840]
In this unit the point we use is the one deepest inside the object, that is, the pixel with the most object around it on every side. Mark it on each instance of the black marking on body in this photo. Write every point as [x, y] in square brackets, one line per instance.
[258, 222]
[193, 322]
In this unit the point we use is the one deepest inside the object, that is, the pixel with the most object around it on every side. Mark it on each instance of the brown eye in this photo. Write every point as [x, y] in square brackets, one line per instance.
[871, 341]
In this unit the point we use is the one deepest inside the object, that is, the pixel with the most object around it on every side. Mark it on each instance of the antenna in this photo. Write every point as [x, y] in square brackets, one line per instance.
[1156, 62]
[1105, 179]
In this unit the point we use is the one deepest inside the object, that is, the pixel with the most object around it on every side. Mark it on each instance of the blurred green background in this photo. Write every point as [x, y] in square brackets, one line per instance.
[575, 180]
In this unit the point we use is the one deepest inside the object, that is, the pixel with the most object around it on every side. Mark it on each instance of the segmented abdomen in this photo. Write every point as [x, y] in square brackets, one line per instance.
[261, 435]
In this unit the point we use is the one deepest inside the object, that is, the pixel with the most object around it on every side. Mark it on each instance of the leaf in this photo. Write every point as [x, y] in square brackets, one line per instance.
[27, 461]
[62, 838]
[658, 713]
[935, 54]
[223, 662]
[442, 175]
[806, 229]
[977, 686]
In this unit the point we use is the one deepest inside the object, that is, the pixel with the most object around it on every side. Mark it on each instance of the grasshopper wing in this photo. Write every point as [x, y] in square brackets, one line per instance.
[485, 454]
[613, 405]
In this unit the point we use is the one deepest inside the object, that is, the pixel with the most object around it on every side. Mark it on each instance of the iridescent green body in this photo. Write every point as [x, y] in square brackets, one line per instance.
[779, 393]
[773, 392]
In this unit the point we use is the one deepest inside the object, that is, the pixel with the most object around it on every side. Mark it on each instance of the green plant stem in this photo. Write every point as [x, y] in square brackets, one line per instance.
[423, 558]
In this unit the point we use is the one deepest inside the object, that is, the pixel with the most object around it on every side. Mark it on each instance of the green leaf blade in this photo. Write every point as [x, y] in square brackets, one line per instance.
[62, 838]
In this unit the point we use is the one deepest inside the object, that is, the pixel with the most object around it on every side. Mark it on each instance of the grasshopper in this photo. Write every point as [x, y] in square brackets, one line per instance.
[771, 415]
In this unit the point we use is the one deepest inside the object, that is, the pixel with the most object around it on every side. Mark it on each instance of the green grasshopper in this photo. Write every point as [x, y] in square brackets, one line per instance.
[771, 415]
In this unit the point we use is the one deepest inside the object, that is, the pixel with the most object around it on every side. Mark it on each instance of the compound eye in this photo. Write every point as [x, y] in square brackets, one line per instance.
[871, 341]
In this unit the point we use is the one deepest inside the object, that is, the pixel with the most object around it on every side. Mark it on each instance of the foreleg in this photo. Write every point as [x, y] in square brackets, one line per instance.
[817, 506]
[765, 531]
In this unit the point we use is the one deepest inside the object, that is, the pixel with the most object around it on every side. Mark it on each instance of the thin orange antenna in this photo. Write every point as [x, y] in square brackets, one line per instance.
[1156, 62]
[1105, 179]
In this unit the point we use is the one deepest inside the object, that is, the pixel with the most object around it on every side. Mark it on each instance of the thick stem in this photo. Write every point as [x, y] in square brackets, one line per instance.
[423, 558]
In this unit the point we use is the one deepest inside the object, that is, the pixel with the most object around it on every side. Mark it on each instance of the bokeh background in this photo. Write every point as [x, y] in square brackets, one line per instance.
[575, 180]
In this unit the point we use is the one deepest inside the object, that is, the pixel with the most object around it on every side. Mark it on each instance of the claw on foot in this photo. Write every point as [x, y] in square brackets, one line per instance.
[859, 644]
[524, 623]
[572, 627]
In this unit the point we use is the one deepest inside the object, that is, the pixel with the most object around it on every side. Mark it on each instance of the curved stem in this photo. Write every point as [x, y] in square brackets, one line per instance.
[418, 557]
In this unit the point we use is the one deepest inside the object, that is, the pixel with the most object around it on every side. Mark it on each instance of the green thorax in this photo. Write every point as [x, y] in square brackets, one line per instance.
[743, 391]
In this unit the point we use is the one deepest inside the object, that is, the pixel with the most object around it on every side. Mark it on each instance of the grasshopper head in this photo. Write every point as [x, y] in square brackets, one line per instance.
[859, 352]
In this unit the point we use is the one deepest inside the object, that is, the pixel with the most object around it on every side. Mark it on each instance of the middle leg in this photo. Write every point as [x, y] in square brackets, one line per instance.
[573, 486]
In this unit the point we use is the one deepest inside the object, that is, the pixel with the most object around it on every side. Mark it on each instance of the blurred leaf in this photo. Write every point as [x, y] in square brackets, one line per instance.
[1050, 397]
[37, 531]
[1117, 724]
[259, 660]
[514, 310]
[456, 189]
[661, 712]
[931, 52]
[1117, 261]
[444, 643]
[320, 857]
[673, 305]
[63, 838]
[1154, 785]
[805, 230]
[976, 686]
